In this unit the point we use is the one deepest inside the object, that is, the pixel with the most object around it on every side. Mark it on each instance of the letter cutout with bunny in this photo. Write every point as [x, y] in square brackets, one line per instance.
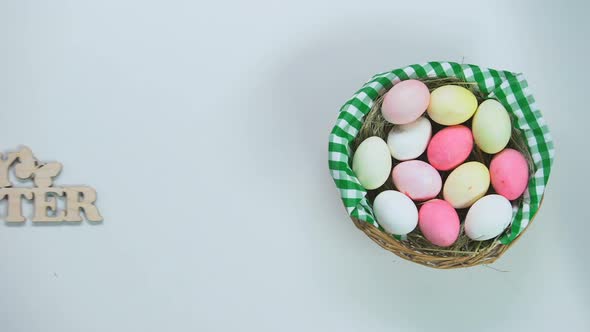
[44, 195]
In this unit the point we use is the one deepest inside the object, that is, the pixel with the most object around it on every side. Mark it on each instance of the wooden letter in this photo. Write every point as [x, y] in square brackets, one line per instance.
[26, 164]
[13, 195]
[4, 166]
[81, 198]
[45, 197]
[46, 201]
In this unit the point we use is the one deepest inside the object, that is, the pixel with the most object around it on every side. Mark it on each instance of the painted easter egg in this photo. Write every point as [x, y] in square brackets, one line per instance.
[488, 217]
[509, 173]
[372, 162]
[395, 212]
[491, 127]
[450, 147]
[451, 105]
[417, 179]
[439, 222]
[405, 102]
[466, 184]
[409, 141]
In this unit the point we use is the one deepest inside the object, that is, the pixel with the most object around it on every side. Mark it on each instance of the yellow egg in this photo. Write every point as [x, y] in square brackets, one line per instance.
[451, 105]
[491, 127]
[466, 184]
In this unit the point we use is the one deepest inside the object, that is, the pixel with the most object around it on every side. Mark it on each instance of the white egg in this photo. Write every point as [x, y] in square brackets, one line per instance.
[408, 141]
[488, 217]
[372, 162]
[395, 212]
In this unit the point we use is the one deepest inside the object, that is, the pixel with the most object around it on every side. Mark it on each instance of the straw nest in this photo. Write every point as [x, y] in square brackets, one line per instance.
[464, 252]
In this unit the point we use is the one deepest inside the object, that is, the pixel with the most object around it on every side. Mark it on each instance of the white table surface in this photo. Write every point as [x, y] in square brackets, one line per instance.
[203, 126]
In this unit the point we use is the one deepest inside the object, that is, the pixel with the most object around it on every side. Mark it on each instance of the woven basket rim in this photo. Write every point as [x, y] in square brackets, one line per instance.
[400, 249]
[488, 255]
[355, 123]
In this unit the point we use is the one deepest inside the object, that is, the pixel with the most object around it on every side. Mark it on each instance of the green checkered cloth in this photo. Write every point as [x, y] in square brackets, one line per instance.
[510, 89]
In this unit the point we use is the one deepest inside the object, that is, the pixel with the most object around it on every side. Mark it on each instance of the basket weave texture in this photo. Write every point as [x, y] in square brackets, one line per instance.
[360, 118]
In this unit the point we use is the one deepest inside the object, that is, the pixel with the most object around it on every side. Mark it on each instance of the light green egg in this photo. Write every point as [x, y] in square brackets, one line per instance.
[466, 184]
[372, 162]
[491, 127]
[451, 105]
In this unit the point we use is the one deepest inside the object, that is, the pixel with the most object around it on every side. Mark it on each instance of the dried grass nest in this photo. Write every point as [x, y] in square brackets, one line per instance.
[464, 252]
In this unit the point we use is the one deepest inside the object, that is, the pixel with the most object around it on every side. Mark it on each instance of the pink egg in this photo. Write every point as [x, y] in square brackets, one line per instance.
[417, 179]
[450, 147]
[439, 222]
[509, 173]
[405, 102]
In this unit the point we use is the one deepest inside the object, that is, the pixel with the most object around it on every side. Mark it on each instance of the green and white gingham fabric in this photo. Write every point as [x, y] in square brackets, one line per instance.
[510, 89]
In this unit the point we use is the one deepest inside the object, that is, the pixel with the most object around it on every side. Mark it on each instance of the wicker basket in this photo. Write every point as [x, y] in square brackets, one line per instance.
[414, 247]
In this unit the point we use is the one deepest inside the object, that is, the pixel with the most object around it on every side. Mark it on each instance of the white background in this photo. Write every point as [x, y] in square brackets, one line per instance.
[203, 126]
